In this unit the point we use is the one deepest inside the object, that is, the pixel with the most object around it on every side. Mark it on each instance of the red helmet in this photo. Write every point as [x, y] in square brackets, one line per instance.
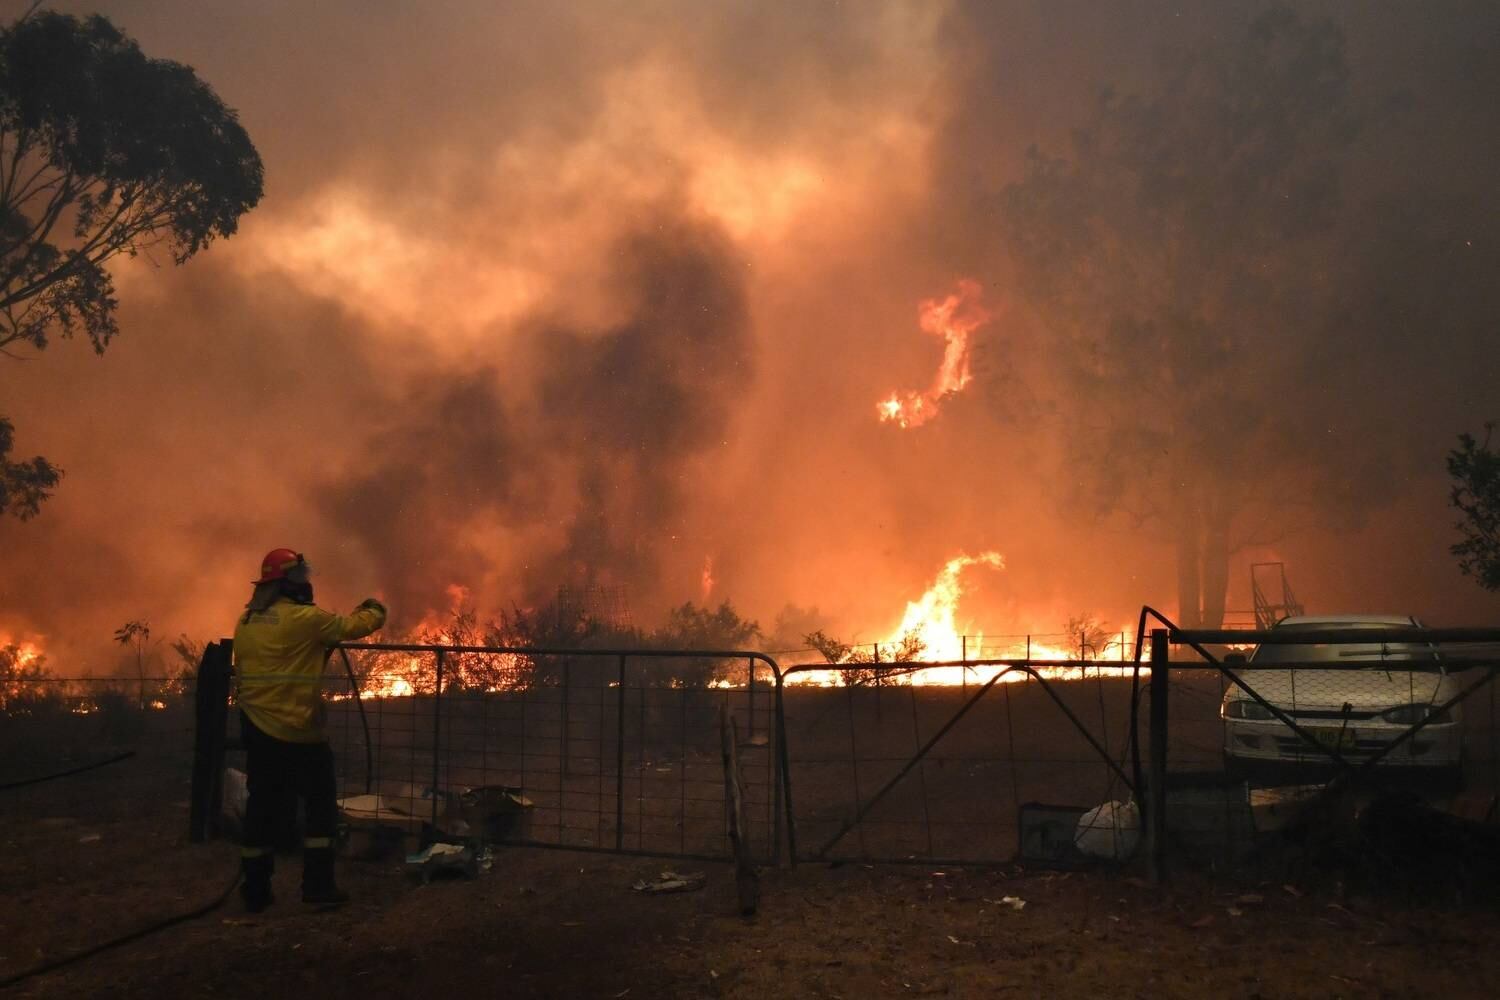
[277, 563]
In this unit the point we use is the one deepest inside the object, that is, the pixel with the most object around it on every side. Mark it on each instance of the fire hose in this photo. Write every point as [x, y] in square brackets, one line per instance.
[364, 722]
[181, 918]
[124, 939]
[68, 773]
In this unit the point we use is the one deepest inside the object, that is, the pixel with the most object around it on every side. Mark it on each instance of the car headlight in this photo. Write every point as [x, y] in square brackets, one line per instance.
[1410, 715]
[1244, 708]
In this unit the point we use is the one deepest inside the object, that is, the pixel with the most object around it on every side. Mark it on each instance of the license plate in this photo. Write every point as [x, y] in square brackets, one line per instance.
[1334, 739]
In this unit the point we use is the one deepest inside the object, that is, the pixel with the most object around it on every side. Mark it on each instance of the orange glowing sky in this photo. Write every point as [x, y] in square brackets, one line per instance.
[466, 202]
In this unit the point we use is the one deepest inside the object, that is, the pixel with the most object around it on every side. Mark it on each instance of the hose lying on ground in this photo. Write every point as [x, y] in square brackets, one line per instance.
[136, 935]
[7, 786]
[181, 918]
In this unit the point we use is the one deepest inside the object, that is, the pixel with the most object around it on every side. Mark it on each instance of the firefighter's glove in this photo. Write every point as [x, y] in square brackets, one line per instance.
[370, 602]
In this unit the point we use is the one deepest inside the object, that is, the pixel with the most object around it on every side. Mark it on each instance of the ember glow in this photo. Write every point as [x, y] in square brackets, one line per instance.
[953, 319]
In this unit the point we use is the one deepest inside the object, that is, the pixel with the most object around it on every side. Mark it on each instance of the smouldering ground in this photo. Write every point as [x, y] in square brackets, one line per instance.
[564, 924]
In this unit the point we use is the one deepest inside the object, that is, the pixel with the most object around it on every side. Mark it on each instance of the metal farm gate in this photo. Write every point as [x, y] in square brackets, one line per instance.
[605, 750]
[1320, 712]
[625, 751]
[929, 773]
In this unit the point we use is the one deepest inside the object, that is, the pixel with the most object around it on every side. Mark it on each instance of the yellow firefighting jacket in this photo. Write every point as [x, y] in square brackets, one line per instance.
[278, 663]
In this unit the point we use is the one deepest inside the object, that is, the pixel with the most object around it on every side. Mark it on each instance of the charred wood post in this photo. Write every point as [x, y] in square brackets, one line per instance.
[747, 882]
[211, 711]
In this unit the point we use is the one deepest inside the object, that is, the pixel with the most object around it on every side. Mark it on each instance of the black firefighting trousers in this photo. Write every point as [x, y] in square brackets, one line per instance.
[278, 774]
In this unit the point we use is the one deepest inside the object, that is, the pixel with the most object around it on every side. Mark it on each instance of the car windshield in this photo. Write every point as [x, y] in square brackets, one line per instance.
[1343, 652]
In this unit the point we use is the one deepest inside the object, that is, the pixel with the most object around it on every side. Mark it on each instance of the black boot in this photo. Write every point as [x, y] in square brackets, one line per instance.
[255, 888]
[318, 886]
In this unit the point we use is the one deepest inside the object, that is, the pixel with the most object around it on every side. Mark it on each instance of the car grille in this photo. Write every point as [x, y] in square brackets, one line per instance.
[1334, 714]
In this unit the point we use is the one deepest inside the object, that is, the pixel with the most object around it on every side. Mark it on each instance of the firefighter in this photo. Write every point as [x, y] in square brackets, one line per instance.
[281, 644]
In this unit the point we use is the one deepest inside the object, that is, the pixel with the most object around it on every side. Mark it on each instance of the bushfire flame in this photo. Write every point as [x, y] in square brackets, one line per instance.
[954, 319]
[931, 616]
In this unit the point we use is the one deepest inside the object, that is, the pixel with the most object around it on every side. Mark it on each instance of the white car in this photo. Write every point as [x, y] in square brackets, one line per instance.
[1356, 712]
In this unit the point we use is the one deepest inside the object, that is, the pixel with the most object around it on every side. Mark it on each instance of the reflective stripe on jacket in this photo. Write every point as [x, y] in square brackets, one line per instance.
[278, 664]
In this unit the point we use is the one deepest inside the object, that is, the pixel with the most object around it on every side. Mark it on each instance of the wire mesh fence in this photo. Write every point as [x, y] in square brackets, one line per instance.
[92, 750]
[938, 771]
[1306, 712]
[1374, 715]
[621, 751]
[592, 750]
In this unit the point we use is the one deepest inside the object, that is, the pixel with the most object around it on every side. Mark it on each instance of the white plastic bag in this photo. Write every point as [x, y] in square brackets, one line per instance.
[1111, 831]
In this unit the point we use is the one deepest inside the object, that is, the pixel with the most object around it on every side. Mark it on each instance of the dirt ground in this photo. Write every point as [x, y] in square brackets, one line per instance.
[545, 923]
[92, 857]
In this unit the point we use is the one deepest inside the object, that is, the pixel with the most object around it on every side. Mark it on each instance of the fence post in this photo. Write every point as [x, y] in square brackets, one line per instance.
[211, 708]
[773, 752]
[437, 728]
[566, 688]
[784, 759]
[620, 759]
[1156, 812]
[750, 663]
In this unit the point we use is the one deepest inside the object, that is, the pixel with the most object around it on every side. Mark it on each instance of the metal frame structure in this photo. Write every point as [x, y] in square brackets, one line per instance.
[621, 660]
[1161, 666]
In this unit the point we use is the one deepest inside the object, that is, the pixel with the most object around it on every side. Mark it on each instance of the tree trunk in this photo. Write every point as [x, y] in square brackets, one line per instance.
[1203, 518]
[1215, 555]
[1188, 548]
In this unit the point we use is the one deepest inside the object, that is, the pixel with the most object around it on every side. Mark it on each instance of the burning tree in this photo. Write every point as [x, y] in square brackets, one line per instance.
[103, 151]
[23, 674]
[1173, 258]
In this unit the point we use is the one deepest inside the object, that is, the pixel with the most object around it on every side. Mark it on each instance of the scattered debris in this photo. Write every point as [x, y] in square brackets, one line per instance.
[489, 813]
[1047, 833]
[1251, 899]
[442, 858]
[1111, 831]
[672, 882]
[1014, 902]
[90, 838]
[1273, 809]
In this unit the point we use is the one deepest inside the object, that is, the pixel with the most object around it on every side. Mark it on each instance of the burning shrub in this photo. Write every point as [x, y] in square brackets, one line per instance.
[858, 666]
[25, 684]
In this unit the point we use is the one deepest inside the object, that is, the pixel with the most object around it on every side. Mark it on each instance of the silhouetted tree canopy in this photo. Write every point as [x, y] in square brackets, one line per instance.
[103, 151]
[25, 484]
[1475, 468]
[1170, 258]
